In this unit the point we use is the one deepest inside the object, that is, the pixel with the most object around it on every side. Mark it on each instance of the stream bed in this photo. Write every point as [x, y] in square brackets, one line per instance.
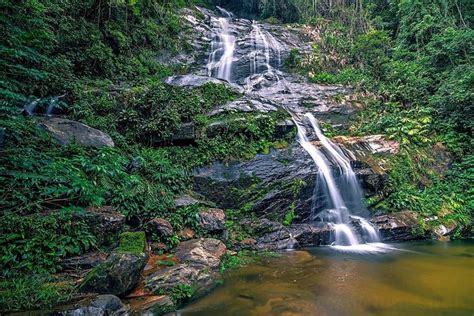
[419, 278]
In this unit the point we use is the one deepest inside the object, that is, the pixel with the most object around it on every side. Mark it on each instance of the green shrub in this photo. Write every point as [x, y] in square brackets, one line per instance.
[33, 292]
[37, 243]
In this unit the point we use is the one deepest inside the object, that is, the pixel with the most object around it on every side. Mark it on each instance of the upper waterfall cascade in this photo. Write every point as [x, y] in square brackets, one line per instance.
[342, 203]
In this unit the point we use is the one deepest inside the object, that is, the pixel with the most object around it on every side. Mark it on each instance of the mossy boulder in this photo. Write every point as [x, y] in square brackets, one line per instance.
[120, 273]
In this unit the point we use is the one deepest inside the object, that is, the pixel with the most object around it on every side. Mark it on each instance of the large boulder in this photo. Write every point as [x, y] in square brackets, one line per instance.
[308, 235]
[401, 226]
[212, 220]
[271, 177]
[275, 236]
[66, 132]
[199, 277]
[203, 251]
[118, 275]
[101, 305]
[105, 223]
[159, 228]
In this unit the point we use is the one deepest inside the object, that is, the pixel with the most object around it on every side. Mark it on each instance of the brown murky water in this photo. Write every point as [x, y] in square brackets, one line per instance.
[425, 278]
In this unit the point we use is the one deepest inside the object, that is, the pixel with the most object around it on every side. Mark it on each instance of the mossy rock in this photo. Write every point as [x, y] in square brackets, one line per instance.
[132, 242]
[118, 275]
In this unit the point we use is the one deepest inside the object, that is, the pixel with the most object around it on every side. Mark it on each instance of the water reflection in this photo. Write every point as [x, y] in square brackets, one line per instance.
[432, 278]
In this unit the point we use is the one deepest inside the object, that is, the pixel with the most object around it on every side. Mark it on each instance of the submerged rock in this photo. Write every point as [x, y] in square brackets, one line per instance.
[67, 132]
[101, 305]
[118, 275]
[203, 251]
[151, 305]
[401, 226]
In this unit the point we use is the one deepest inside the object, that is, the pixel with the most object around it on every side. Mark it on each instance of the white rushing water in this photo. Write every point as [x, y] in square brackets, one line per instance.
[264, 47]
[342, 193]
[222, 48]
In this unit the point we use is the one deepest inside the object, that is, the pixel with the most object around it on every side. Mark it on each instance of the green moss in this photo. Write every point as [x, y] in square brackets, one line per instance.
[280, 144]
[133, 242]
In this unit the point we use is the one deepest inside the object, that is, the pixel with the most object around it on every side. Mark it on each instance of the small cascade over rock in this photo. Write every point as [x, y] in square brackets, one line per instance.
[342, 194]
[265, 46]
[222, 47]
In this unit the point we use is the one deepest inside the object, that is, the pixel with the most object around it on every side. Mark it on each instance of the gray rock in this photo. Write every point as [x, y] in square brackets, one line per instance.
[84, 262]
[271, 178]
[193, 81]
[118, 275]
[246, 104]
[200, 277]
[308, 235]
[104, 222]
[275, 236]
[67, 132]
[159, 227]
[186, 200]
[203, 251]
[101, 305]
[401, 226]
[212, 220]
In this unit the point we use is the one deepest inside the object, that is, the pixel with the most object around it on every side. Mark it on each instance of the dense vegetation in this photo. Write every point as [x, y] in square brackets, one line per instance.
[99, 57]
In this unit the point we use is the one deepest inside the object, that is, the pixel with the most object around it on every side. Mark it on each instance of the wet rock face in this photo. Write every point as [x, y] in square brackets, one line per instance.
[275, 236]
[101, 305]
[268, 182]
[401, 226]
[203, 251]
[67, 131]
[270, 177]
[118, 275]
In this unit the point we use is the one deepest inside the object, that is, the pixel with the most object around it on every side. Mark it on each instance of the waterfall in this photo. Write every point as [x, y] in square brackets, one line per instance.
[342, 193]
[341, 199]
[222, 48]
[264, 45]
